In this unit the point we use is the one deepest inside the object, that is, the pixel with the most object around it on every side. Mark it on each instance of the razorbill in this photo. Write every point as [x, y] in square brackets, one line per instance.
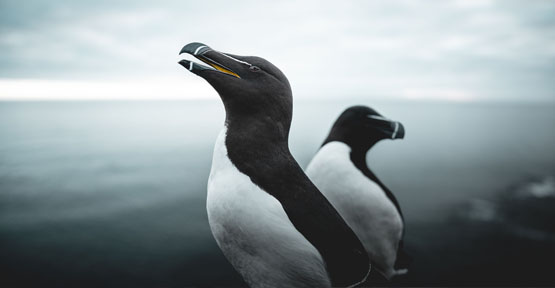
[339, 170]
[270, 221]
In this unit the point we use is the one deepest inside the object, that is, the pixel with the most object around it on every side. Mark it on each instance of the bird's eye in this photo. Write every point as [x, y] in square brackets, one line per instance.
[254, 69]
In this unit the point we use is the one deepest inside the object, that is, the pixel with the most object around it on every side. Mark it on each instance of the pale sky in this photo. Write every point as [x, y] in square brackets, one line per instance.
[471, 50]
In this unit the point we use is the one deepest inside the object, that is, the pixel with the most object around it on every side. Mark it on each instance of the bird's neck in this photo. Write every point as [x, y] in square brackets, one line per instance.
[358, 157]
[257, 141]
[260, 151]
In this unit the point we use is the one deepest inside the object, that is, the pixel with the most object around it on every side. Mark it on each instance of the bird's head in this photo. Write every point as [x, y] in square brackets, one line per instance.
[361, 127]
[247, 85]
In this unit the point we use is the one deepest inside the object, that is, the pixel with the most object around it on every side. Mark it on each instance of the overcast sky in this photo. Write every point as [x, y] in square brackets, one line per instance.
[470, 50]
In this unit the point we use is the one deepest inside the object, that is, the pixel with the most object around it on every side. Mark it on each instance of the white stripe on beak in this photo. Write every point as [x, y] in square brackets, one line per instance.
[395, 130]
[198, 49]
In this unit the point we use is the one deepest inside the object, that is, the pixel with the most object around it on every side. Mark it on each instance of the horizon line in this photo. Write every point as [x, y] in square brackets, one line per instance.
[187, 89]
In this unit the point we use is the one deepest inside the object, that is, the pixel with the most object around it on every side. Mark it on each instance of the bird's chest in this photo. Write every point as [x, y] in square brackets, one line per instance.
[359, 200]
[245, 220]
[233, 199]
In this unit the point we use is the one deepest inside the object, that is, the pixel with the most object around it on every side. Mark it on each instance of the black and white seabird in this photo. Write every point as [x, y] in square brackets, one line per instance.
[340, 171]
[273, 225]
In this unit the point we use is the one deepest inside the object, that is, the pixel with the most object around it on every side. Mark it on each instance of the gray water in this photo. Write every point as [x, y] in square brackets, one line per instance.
[113, 193]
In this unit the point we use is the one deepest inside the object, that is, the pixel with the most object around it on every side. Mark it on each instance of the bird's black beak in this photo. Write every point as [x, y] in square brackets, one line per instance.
[398, 131]
[389, 128]
[217, 62]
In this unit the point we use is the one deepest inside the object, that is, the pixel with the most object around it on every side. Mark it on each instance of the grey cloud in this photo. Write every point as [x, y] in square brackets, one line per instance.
[496, 50]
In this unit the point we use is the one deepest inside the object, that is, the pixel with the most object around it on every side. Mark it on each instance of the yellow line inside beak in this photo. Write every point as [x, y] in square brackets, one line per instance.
[221, 69]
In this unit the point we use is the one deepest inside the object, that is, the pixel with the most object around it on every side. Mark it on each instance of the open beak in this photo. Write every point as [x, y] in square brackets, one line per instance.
[201, 52]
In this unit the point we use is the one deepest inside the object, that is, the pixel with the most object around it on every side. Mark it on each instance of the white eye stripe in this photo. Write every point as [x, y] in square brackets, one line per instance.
[191, 66]
[234, 59]
[378, 117]
[237, 60]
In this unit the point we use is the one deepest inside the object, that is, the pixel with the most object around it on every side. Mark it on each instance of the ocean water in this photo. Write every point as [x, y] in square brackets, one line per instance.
[113, 193]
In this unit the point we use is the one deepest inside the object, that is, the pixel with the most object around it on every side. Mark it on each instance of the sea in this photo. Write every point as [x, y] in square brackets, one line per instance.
[113, 193]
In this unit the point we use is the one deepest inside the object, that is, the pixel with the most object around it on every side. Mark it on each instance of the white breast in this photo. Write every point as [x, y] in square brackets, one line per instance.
[360, 201]
[254, 233]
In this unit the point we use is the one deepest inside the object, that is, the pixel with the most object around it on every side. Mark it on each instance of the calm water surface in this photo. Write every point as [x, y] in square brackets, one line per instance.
[113, 193]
